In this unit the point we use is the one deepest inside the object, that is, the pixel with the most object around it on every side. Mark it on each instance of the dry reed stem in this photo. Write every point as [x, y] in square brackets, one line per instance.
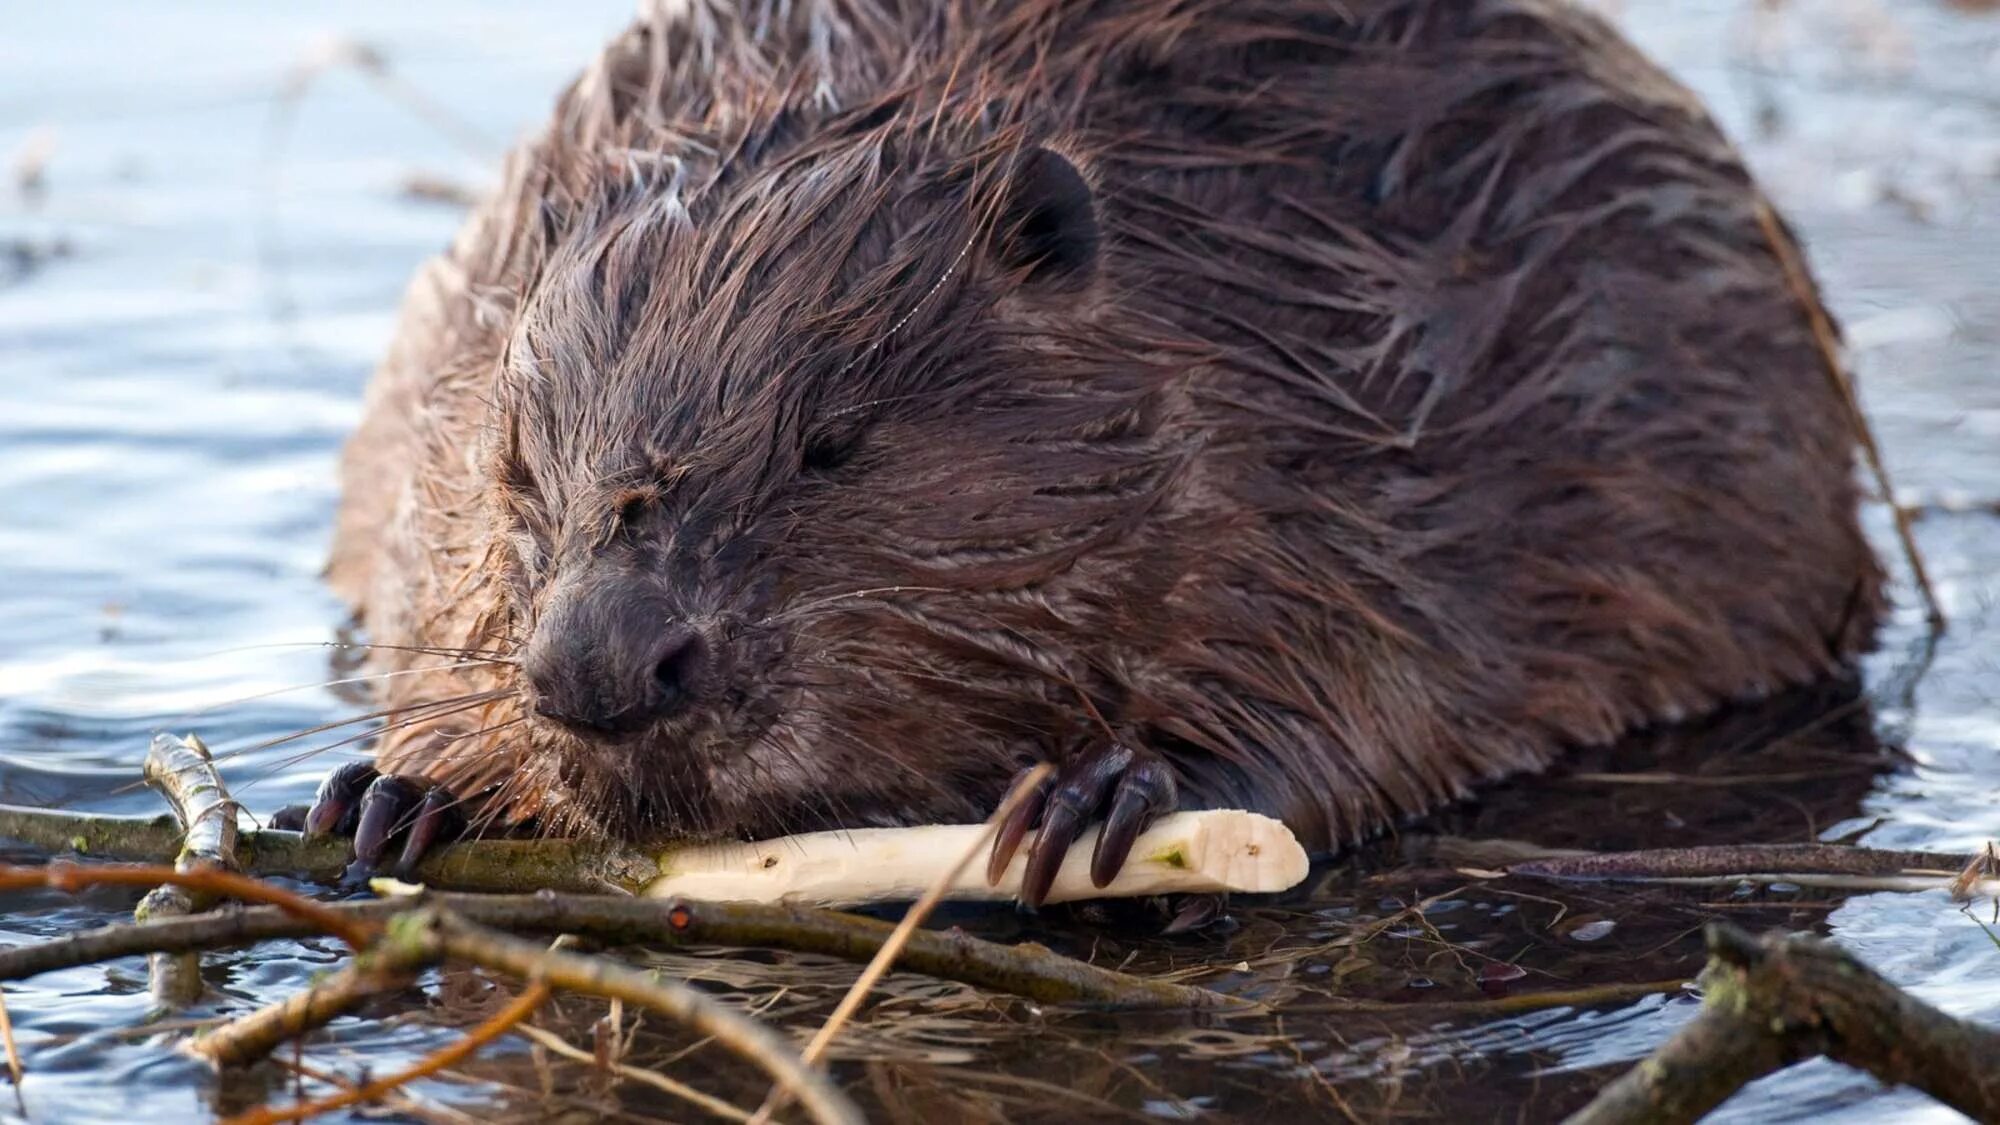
[658, 1081]
[914, 917]
[1800, 282]
[7, 1041]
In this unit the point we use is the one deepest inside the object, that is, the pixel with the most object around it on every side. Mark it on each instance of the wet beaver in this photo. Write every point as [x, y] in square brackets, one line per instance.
[1315, 408]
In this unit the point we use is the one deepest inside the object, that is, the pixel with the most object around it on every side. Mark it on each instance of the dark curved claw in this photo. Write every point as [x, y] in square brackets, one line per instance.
[388, 806]
[1127, 788]
[336, 806]
[291, 818]
[1015, 827]
[438, 817]
[1145, 790]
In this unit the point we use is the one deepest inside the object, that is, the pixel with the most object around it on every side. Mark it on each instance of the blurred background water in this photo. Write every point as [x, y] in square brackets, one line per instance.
[211, 215]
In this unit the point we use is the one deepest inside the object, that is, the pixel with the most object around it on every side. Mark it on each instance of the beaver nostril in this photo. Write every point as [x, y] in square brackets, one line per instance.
[677, 671]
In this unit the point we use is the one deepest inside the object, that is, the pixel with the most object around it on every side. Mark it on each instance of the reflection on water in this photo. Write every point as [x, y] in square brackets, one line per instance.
[192, 299]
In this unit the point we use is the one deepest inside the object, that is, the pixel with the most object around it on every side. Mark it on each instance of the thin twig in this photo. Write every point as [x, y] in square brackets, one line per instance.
[1837, 866]
[914, 917]
[658, 1081]
[1828, 342]
[1621, 992]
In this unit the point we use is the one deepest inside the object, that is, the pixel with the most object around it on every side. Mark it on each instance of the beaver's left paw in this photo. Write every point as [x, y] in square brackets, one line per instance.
[1110, 781]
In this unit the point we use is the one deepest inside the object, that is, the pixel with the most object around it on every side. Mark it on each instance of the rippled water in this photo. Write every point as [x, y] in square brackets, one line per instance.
[190, 308]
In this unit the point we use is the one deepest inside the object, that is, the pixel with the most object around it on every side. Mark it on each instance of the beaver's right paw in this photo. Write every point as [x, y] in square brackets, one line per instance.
[377, 809]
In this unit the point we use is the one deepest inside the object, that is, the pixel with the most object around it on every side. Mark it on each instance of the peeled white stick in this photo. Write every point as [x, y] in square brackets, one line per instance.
[1199, 852]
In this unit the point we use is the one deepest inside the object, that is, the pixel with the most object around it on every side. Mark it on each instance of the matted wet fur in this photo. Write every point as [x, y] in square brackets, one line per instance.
[1348, 402]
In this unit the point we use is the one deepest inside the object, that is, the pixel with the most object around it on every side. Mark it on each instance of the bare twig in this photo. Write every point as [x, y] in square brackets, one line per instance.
[1780, 1000]
[184, 773]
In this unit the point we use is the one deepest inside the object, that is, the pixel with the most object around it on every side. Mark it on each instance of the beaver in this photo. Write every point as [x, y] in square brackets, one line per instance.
[1313, 408]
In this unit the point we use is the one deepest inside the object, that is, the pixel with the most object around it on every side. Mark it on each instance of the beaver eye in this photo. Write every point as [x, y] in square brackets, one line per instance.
[826, 452]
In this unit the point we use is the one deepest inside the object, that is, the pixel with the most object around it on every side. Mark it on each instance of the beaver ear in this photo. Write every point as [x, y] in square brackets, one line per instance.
[1049, 227]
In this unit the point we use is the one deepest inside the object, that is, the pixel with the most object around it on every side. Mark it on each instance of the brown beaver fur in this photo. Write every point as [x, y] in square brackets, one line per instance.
[843, 403]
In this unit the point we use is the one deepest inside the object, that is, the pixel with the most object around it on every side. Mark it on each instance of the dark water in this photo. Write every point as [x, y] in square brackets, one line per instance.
[189, 310]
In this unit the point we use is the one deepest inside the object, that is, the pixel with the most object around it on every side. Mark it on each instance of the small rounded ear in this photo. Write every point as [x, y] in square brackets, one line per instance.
[1049, 226]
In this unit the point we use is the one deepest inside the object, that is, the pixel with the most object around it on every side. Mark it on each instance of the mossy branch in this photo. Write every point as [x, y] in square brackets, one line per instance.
[499, 866]
[1778, 1000]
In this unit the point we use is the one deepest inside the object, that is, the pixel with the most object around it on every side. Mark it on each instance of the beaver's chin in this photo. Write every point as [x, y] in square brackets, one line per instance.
[689, 777]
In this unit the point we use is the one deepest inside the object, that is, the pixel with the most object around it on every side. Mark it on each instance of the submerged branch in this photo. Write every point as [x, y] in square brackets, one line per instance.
[1778, 1000]
[389, 964]
[1819, 865]
[1028, 970]
[500, 1023]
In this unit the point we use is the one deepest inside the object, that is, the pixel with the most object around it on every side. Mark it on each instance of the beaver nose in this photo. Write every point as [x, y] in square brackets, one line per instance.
[677, 666]
[618, 679]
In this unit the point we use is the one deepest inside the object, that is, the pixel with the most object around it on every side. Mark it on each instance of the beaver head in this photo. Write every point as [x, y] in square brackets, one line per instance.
[824, 484]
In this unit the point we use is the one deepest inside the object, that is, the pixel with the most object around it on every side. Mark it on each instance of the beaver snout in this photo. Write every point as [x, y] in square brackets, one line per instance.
[606, 662]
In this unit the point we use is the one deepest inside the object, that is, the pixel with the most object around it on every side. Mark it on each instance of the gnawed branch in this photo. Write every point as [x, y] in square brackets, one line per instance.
[184, 773]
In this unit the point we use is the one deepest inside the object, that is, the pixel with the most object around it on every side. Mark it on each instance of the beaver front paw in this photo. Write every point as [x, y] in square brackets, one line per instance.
[377, 809]
[1126, 788]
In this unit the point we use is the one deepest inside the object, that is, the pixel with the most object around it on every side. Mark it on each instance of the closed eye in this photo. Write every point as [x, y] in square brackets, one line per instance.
[826, 452]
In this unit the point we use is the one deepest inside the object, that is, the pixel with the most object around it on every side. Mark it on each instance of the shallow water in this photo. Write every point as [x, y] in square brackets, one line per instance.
[188, 313]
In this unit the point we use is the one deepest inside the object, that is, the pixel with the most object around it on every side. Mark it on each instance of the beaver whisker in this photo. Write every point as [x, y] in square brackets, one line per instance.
[791, 613]
[383, 713]
[426, 713]
[343, 681]
[474, 655]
